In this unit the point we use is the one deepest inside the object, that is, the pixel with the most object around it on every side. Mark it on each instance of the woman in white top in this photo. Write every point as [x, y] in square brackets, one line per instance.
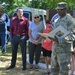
[34, 44]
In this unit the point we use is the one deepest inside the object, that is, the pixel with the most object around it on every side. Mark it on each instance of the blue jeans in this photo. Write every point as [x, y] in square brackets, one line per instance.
[2, 41]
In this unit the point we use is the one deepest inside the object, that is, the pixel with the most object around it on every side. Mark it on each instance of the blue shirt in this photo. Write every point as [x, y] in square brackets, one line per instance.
[35, 30]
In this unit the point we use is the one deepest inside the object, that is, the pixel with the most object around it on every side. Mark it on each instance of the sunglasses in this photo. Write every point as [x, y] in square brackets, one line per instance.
[36, 17]
[59, 10]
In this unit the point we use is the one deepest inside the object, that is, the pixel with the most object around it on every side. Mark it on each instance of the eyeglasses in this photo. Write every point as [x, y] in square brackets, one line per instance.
[36, 17]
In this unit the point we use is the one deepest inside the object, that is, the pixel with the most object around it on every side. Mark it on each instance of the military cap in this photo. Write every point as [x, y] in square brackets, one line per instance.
[61, 5]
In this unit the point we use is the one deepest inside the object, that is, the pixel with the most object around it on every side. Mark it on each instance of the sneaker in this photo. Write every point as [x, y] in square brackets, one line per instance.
[10, 67]
[36, 67]
[31, 68]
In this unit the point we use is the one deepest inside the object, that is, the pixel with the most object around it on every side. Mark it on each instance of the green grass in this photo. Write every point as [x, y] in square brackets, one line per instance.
[5, 62]
[9, 50]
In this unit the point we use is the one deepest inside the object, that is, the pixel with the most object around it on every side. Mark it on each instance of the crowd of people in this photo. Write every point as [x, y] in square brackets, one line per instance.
[57, 52]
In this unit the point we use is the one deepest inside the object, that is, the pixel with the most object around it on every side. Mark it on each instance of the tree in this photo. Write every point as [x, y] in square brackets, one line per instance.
[43, 4]
[13, 4]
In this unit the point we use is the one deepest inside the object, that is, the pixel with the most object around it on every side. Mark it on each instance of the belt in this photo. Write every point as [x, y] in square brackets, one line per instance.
[19, 35]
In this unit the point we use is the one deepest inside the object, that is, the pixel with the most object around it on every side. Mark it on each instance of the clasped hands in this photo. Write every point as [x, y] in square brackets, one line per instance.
[36, 42]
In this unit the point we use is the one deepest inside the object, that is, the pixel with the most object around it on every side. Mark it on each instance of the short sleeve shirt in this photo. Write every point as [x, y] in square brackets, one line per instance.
[35, 30]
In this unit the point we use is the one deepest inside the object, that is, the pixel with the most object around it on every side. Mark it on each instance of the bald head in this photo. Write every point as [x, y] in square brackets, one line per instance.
[1, 9]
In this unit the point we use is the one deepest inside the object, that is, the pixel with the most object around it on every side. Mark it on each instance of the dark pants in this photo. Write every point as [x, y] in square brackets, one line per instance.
[34, 50]
[16, 40]
[3, 40]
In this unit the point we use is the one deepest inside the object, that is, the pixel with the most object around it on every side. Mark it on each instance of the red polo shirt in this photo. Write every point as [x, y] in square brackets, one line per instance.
[19, 26]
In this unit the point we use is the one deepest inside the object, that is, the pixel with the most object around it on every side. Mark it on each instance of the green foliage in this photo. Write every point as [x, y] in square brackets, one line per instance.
[51, 4]
[11, 5]
[42, 4]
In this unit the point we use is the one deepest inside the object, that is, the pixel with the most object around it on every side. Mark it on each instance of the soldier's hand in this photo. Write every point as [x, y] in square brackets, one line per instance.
[59, 39]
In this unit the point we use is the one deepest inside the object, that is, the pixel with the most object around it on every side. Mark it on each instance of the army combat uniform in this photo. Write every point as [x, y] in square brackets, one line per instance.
[61, 52]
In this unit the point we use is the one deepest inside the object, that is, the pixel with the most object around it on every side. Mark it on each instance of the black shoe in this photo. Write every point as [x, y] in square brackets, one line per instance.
[10, 67]
[24, 68]
[3, 51]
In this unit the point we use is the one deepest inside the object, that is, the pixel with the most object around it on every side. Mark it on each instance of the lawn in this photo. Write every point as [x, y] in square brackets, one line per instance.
[5, 62]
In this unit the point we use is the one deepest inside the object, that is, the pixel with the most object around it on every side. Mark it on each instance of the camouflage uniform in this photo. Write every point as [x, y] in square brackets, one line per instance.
[61, 52]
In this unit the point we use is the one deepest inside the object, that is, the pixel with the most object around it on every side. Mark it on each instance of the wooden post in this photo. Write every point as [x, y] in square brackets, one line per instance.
[47, 14]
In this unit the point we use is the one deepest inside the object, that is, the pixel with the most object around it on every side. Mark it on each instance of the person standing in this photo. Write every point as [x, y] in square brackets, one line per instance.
[8, 23]
[61, 50]
[47, 47]
[54, 18]
[73, 60]
[34, 44]
[3, 29]
[19, 35]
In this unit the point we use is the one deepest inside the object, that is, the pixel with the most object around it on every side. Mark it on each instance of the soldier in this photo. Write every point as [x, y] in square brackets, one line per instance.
[61, 51]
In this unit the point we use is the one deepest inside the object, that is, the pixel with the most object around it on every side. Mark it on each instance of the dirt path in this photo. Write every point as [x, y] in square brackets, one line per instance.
[5, 62]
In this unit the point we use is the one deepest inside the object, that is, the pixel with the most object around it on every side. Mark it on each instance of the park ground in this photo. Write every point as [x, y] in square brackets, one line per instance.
[5, 62]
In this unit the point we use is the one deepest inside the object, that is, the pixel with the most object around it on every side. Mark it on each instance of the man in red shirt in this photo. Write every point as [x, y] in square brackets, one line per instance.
[19, 34]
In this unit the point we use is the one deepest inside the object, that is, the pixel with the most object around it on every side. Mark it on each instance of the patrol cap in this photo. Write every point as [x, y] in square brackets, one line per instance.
[61, 5]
